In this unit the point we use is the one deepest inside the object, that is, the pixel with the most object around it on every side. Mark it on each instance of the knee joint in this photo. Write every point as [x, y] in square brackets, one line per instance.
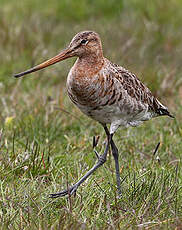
[102, 159]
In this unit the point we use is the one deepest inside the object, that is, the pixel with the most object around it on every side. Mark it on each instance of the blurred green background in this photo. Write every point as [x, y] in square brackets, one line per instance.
[145, 37]
[44, 148]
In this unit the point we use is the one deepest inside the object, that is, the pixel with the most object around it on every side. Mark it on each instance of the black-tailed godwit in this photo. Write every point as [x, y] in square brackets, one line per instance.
[104, 91]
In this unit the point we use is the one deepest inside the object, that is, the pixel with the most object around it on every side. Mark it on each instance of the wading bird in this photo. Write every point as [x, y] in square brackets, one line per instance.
[106, 92]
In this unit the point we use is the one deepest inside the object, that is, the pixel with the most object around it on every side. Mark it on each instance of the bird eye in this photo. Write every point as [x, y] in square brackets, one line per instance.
[84, 41]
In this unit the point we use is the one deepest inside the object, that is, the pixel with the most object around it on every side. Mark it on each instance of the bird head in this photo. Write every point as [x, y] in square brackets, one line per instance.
[83, 44]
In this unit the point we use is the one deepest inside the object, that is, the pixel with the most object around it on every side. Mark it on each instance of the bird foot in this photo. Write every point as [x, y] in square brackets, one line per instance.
[70, 191]
[101, 159]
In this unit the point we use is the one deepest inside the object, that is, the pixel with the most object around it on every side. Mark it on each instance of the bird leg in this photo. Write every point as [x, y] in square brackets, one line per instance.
[101, 160]
[115, 155]
[95, 142]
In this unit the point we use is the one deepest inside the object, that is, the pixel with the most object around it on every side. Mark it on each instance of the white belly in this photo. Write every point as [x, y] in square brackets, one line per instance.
[113, 115]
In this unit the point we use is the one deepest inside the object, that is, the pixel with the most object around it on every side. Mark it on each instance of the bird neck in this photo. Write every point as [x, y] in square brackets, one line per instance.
[90, 64]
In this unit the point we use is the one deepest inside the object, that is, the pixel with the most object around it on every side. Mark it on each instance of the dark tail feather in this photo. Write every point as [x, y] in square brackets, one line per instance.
[160, 109]
[164, 112]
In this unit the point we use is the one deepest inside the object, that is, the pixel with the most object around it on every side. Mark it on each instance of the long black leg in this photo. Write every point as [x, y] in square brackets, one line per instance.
[101, 161]
[115, 155]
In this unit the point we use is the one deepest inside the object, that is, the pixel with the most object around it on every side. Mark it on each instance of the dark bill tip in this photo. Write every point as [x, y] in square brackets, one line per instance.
[61, 56]
[25, 72]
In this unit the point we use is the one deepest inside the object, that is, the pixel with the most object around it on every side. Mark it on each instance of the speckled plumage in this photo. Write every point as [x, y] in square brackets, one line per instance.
[110, 94]
[105, 92]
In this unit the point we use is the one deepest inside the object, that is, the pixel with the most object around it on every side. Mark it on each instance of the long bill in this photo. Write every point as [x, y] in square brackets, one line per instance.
[61, 56]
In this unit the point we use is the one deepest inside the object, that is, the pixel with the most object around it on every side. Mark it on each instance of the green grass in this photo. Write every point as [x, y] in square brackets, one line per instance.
[44, 149]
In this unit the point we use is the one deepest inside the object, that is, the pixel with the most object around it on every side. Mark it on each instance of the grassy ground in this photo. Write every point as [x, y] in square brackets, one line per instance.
[44, 148]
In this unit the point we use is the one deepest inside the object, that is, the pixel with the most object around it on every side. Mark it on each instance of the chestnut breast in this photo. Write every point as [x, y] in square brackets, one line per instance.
[83, 84]
[82, 88]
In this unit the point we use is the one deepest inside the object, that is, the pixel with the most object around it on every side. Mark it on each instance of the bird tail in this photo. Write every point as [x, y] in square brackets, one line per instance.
[161, 110]
[164, 112]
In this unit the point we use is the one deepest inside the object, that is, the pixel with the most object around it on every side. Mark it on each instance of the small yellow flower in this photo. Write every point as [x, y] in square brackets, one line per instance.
[9, 120]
